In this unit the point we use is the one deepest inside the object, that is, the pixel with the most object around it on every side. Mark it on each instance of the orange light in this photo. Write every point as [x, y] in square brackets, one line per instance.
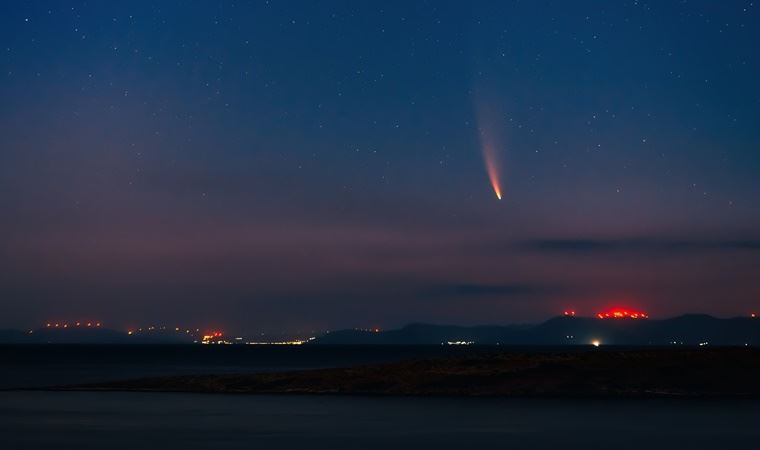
[212, 335]
[622, 314]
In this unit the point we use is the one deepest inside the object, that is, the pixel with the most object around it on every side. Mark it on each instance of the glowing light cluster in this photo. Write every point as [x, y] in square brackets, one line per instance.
[212, 336]
[622, 314]
[460, 342]
[296, 342]
[370, 330]
[72, 325]
[570, 313]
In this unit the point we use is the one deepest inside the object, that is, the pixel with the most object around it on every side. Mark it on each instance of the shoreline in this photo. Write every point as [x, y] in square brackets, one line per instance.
[721, 373]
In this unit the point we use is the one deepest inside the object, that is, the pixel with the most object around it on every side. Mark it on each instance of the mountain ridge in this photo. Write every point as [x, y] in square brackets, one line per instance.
[688, 329]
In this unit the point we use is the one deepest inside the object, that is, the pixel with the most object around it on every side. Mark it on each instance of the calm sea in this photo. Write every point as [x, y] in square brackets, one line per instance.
[84, 420]
[27, 366]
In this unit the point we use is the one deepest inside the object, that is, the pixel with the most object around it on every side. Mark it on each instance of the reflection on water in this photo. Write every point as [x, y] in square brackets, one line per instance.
[42, 420]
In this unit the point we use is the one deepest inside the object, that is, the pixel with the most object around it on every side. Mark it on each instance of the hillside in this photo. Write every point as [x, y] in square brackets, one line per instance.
[691, 329]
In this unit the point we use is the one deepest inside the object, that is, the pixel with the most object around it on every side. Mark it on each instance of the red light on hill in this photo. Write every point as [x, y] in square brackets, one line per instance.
[622, 314]
[570, 313]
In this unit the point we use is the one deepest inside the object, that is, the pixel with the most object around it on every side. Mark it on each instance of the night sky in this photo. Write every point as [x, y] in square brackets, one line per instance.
[301, 164]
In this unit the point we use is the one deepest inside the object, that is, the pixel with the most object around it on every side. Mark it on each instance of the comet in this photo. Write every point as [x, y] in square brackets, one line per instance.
[490, 140]
[491, 159]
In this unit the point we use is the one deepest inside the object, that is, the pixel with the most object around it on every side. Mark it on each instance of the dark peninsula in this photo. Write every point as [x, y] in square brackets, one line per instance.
[611, 372]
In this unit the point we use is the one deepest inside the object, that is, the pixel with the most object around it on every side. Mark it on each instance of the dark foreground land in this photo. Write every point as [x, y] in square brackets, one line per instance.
[698, 372]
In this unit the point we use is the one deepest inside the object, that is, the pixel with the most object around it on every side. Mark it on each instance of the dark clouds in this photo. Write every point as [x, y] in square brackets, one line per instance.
[638, 245]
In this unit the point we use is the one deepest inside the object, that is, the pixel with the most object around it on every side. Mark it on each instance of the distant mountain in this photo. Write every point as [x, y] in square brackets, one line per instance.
[693, 329]
[684, 330]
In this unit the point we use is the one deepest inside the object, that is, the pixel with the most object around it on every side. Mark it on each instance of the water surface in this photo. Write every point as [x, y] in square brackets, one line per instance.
[82, 420]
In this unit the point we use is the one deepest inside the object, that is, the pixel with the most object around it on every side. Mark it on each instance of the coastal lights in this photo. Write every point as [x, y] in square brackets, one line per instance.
[460, 342]
[214, 336]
